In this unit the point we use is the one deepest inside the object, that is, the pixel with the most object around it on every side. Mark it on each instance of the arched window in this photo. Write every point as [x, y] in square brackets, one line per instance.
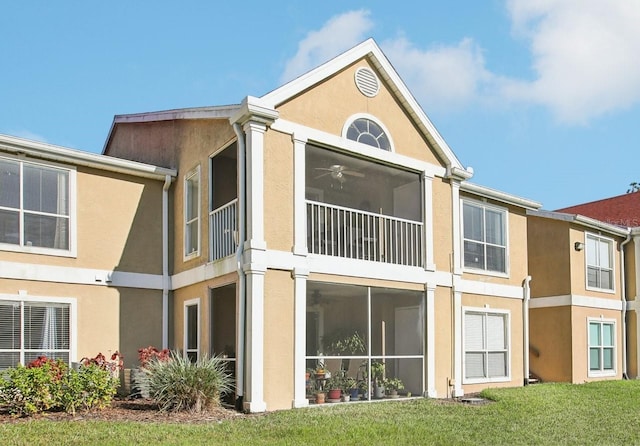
[368, 132]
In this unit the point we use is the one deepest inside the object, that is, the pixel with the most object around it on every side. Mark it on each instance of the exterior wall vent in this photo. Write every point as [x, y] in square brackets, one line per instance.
[367, 82]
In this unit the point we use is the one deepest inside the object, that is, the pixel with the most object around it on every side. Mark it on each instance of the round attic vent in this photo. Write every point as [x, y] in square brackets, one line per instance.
[367, 82]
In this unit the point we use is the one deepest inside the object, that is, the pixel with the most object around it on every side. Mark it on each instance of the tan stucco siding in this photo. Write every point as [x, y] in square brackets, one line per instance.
[632, 344]
[278, 191]
[118, 225]
[631, 266]
[580, 329]
[328, 105]
[278, 339]
[551, 343]
[443, 354]
[549, 257]
[108, 319]
[146, 142]
[442, 224]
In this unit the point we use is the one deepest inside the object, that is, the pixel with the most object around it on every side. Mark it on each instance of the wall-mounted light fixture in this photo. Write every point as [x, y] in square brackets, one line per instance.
[578, 246]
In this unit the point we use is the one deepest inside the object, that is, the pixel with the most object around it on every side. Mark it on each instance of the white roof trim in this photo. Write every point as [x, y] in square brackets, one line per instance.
[368, 49]
[218, 112]
[51, 152]
[581, 220]
[494, 194]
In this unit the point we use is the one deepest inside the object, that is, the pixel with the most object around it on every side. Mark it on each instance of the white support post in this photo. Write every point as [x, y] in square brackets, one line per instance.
[254, 372]
[427, 222]
[455, 220]
[299, 203]
[300, 276]
[430, 294]
[458, 391]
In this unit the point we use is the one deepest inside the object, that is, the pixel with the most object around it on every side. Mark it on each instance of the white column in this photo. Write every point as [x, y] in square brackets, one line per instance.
[255, 183]
[457, 341]
[427, 222]
[300, 276]
[254, 372]
[430, 294]
[636, 298]
[299, 204]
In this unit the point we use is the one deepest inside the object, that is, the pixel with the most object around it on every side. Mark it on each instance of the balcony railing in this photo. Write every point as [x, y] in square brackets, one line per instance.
[223, 230]
[343, 232]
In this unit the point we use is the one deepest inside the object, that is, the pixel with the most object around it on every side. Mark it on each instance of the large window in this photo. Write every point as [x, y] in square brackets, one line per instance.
[601, 347]
[34, 206]
[366, 332]
[192, 213]
[486, 345]
[599, 262]
[31, 329]
[485, 237]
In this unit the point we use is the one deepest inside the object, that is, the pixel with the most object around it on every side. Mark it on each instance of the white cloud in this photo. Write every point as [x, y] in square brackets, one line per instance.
[584, 54]
[444, 77]
[338, 35]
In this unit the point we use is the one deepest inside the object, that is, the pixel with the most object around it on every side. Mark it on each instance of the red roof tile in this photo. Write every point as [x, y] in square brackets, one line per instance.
[623, 210]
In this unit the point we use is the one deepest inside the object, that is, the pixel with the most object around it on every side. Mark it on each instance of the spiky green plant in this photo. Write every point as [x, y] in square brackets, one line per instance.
[178, 384]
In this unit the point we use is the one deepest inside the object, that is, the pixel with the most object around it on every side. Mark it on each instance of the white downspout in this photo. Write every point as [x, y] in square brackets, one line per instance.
[240, 359]
[525, 328]
[623, 296]
[165, 261]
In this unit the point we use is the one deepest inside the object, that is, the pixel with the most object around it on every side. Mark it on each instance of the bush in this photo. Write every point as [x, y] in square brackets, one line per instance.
[48, 385]
[178, 384]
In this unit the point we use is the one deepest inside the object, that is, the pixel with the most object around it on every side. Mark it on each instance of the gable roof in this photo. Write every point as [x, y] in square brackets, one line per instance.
[585, 221]
[623, 210]
[369, 50]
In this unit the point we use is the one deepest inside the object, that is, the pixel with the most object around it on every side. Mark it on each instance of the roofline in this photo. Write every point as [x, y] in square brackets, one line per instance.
[215, 112]
[499, 196]
[582, 221]
[369, 49]
[61, 154]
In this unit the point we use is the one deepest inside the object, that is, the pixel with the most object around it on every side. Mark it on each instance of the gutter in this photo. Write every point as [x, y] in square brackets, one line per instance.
[242, 304]
[525, 328]
[165, 261]
[623, 297]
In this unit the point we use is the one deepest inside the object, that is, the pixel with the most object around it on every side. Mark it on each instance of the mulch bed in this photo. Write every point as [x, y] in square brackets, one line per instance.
[137, 410]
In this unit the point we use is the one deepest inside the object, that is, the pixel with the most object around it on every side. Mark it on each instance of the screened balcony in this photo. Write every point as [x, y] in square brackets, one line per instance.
[362, 210]
[223, 204]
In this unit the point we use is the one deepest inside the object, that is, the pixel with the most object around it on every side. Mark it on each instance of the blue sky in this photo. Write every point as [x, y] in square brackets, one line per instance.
[540, 97]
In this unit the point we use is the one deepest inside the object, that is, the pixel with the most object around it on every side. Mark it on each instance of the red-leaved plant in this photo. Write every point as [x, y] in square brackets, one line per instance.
[148, 353]
[114, 365]
[56, 367]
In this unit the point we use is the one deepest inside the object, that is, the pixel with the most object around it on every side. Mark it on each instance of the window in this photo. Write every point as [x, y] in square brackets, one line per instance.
[599, 262]
[192, 213]
[485, 237]
[192, 329]
[31, 329]
[601, 347]
[368, 132]
[35, 207]
[486, 346]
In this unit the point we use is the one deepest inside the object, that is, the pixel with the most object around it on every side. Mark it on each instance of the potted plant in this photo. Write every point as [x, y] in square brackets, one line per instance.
[377, 377]
[392, 385]
[334, 387]
[349, 388]
[344, 342]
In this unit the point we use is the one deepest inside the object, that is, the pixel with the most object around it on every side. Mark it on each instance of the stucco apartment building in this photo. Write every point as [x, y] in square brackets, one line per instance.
[260, 231]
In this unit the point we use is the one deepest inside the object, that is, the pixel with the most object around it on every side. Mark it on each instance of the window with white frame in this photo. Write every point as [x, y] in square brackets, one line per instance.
[192, 213]
[35, 206]
[601, 347]
[29, 329]
[192, 329]
[599, 262]
[485, 237]
[486, 345]
[367, 131]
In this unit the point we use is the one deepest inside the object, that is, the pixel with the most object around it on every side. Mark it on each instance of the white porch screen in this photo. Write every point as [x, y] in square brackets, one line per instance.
[32, 329]
[485, 345]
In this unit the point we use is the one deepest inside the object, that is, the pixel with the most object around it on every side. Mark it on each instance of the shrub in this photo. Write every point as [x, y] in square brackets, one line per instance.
[178, 384]
[47, 385]
[148, 353]
[139, 378]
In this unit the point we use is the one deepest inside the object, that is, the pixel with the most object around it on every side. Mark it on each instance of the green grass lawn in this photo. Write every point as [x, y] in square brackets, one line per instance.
[604, 413]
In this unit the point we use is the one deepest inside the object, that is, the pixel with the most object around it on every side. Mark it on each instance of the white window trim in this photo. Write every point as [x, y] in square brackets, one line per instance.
[190, 175]
[351, 119]
[73, 317]
[73, 247]
[507, 262]
[602, 373]
[598, 237]
[189, 303]
[486, 311]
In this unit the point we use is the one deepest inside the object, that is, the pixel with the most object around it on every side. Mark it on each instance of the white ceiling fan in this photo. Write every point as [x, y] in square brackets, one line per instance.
[338, 172]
